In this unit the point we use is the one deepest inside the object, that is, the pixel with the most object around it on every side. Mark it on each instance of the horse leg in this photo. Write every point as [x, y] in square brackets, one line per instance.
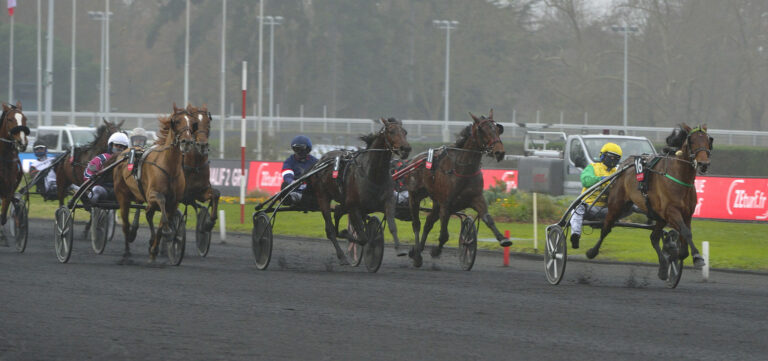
[611, 218]
[414, 203]
[211, 195]
[663, 263]
[356, 218]
[330, 231]
[429, 222]
[125, 212]
[444, 218]
[389, 214]
[4, 210]
[685, 232]
[479, 205]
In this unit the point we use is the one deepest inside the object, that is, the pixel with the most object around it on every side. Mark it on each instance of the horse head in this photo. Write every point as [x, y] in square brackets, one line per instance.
[180, 124]
[395, 137]
[487, 135]
[201, 127]
[699, 146]
[105, 131]
[13, 126]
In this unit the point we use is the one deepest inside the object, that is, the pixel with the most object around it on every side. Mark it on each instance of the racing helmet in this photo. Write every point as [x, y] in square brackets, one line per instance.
[41, 150]
[301, 145]
[610, 154]
[117, 138]
[138, 137]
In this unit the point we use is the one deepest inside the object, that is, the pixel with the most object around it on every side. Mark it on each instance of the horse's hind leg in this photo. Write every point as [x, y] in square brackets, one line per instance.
[4, 210]
[481, 207]
[444, 218]
[655, 237]
[414, 201]
[611, 218]
[330, 231]
[389, 214]
[212, 195]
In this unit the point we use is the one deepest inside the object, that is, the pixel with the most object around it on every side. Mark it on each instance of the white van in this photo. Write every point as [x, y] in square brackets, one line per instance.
[61, 137]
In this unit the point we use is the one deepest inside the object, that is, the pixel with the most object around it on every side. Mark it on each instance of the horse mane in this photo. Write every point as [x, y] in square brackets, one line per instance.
[675, 140]
[84, 149]
[463, 136]
[370, 137]
[165, 126]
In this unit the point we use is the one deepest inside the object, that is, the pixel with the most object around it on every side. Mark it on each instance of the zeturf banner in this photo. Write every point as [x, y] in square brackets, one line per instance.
[741, 199]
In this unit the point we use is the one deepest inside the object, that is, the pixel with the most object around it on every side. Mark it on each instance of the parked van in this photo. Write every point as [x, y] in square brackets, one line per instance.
[58, 138]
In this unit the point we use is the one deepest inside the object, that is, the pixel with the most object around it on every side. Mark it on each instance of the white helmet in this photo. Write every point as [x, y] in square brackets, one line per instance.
[118, 138]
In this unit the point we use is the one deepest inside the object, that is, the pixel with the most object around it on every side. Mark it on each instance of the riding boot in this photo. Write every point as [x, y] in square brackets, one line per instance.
[575, 237]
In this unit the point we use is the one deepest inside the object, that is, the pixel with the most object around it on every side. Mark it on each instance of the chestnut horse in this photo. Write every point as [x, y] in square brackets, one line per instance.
[671, 194]
[197, 168]
[454, 182]
[162, 181]
[71, 172]
[13, 138]
[365, 184]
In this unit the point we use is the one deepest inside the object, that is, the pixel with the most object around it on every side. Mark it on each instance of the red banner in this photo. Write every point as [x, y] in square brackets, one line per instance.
[742, 199]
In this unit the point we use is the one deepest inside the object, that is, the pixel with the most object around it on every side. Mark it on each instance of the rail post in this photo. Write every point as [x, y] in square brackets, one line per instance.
[705, 269]
[535, 224]
[222, 226]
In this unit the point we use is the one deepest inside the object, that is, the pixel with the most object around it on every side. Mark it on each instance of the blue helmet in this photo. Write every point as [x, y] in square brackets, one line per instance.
[301, 145]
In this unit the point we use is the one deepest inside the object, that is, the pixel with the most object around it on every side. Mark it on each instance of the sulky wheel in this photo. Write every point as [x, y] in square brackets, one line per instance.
[467, 243]
[178, 241]
[261, 240]
[373, 252]
[674, 263]
[202, 236]
[111, 223]
[63, 231]
[555, 254]
[19, 225]
[99, 228]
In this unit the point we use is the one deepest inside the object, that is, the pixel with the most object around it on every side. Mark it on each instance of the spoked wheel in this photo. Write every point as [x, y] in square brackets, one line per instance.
[555, 255]
[261, 240]
[202, 237]
[178, 241]
[467, 243]
[354, 250]
[373, 252]
[99, 228]
[19, 225]
[63, 231]
[674, 263]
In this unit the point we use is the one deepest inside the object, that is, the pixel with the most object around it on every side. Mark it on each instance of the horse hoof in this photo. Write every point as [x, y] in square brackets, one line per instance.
[505, 242]
[663, 271]
[592, 253]
[401, 252]
[343, 261]
[435, 252]
[698, 261]
[417, 261]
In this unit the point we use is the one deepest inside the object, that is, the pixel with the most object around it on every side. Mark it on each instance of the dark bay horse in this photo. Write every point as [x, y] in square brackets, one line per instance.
[13, 140]
[71, 172]
[454, 182]
[197, 168]
[162, 181]
[671, 196]
[364, 184]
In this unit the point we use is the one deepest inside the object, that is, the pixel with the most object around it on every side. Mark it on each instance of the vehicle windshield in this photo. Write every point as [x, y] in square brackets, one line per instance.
[82, 137]
[629, 147]
[48, 137]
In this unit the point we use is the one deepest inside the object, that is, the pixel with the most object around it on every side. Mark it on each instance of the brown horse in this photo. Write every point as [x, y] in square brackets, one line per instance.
[671, 197]
[13, 140]
[162, 181]
[71, 172]
[197, 168]
[365, 184]
[454, 182]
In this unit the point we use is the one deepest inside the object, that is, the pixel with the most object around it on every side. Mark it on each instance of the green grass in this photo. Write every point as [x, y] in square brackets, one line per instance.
[732, 245]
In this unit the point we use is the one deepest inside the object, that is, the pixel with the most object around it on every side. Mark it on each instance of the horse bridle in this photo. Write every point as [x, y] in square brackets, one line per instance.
[387, 143]
[694, 152]
[178, 134]
[202, 147]
[14, 130]
[487, 147]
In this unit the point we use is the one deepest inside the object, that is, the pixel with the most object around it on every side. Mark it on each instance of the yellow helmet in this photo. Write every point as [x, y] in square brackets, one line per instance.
[611, 148]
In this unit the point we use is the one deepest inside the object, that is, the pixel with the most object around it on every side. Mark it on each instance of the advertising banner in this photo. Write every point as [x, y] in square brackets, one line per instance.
[225, 176]
[742, 199]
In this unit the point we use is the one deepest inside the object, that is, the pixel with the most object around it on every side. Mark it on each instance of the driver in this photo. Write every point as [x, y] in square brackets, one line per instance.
[297, 164]
[610, 154]
[42, 163]
[117, 143]
[139, 138]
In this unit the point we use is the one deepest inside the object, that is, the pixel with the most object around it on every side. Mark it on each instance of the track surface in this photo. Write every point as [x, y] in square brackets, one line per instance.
[306, 306]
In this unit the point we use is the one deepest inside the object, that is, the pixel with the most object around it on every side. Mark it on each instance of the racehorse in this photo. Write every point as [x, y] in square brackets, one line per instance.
[161, 184]
[71, 172]
[13, 135]
[197, 167]
[671, 196]
[364, 185]
[454, 182]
